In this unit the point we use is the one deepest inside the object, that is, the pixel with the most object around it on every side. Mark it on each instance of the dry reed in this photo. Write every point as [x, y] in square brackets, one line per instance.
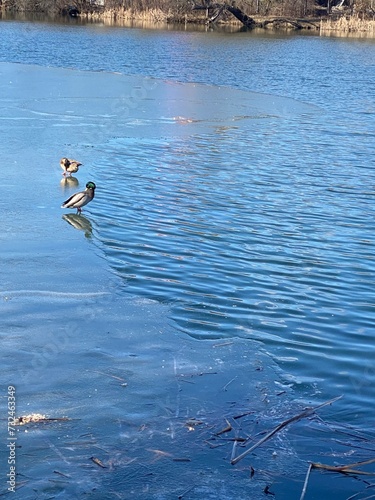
[352, 24]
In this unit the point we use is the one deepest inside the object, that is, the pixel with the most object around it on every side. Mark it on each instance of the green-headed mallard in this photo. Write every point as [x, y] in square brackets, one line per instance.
[79, 200]
[69, 166]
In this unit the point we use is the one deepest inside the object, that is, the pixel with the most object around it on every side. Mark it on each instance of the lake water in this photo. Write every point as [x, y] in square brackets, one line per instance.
[225, 267]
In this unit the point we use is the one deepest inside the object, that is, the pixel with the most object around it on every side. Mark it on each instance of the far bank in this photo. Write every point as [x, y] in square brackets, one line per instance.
[340, 21]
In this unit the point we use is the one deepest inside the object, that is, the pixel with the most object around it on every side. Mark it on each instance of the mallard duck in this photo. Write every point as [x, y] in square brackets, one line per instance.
[79, 200]
[69, 166]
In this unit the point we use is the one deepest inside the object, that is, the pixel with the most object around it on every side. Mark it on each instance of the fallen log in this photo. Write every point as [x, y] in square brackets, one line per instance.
[247, 21]
[281, 20]
[215, 10]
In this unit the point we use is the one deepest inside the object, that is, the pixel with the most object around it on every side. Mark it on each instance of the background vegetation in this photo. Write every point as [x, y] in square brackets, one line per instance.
[181, 9]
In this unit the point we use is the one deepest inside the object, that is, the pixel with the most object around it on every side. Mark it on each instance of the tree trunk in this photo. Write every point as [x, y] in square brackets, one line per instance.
[245, 20]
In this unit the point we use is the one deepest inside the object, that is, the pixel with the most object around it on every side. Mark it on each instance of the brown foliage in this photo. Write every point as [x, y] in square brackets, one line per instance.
[176, 9]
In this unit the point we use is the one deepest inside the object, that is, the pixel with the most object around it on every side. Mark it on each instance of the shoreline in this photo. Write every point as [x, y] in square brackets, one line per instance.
[343, 25]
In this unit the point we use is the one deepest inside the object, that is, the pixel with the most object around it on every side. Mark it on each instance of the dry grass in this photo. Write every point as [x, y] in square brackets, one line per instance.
[346, 25]
[150, 15]
[156, 15]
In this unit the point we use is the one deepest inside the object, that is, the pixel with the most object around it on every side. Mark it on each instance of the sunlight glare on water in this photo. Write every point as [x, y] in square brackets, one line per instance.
[243, 227]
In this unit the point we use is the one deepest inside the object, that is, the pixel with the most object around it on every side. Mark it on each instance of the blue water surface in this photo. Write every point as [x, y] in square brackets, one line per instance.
[235, 178]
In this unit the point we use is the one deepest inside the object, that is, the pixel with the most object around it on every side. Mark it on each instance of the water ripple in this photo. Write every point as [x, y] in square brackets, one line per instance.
[240, 246]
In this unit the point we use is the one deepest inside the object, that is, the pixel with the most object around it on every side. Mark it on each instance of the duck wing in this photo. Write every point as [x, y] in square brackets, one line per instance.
[74, 162]
[76, 200]
[73, 167]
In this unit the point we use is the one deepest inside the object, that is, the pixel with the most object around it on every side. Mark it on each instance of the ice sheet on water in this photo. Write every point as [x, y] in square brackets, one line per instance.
[72, 345]
[130, 385]
[99, 105]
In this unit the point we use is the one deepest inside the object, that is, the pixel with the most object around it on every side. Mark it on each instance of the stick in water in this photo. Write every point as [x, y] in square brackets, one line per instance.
[304, 414]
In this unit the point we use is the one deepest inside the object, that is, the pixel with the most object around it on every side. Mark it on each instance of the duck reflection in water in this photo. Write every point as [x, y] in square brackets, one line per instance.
[79, 222]
[69, 182]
